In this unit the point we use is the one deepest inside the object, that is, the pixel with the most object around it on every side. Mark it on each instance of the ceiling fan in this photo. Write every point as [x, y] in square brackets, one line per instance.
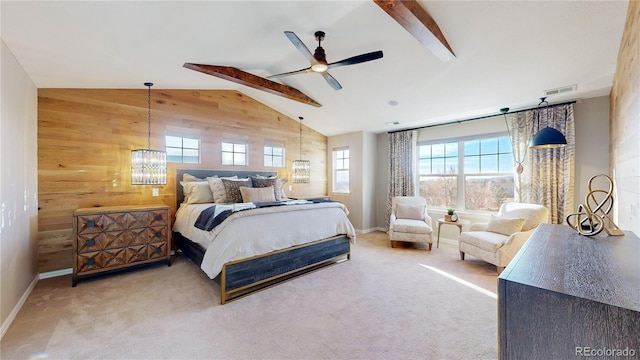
[318, 59]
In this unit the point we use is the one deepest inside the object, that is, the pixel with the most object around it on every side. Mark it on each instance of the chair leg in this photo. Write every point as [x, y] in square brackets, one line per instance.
[461, 255]
[393, 244]
[430, 244]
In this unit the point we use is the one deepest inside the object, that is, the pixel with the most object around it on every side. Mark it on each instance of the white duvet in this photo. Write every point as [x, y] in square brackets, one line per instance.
[259, 231]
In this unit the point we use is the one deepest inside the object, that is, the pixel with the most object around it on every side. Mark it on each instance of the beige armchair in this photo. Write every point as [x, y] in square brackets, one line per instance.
[409, 221]
[498, 241]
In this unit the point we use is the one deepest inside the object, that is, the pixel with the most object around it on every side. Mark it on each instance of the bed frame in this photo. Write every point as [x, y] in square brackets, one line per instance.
[243, 277]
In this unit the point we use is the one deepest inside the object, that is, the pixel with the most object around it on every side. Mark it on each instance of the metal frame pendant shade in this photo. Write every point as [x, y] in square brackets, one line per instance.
[301, 168]
[148, 167]
[548, 137]
[301, 171]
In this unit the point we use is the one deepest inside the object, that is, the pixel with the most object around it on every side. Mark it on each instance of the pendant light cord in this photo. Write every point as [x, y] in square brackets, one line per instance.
[300, 117]
[543, 100]
[149, 115]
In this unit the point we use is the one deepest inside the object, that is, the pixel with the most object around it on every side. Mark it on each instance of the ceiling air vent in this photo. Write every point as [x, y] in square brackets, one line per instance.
[561, 90]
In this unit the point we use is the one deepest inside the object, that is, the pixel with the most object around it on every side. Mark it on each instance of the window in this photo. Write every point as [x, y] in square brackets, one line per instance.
[471, 173]
[273, 155]
[341, 170]
[182, 149]
[234, 153]
[438, 168]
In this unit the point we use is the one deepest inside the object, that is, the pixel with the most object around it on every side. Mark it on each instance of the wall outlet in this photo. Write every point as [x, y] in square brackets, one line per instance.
[155, 192]
[290, 187]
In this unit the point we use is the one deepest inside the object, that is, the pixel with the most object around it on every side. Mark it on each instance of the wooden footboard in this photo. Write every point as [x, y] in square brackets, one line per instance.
[243, 277]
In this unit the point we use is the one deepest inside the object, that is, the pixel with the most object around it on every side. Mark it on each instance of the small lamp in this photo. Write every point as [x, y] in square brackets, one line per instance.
[301, 168]
[548, 137]
[148, 167]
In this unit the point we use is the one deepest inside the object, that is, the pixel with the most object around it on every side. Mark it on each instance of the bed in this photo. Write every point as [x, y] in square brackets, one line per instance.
[259, 245]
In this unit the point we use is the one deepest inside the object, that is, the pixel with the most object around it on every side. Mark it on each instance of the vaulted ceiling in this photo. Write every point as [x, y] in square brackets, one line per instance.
[507, 53]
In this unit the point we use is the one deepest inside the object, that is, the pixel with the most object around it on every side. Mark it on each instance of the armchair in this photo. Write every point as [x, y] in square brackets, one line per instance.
[498, 241]
[409, 221]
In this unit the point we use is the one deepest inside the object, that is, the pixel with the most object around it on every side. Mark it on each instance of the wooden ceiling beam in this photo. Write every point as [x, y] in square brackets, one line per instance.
[244, 78]
[417, 21]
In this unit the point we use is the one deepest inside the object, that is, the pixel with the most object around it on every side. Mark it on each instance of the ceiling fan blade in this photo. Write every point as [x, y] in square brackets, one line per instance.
[357, 59]
[331, 80]
[291, 73]
[304, 50]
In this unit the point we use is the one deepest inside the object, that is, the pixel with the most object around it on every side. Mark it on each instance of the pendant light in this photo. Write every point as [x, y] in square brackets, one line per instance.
[548, 137]
[301, 168]
[148, 167]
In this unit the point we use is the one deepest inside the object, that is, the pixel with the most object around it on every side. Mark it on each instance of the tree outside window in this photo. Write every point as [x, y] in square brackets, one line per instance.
[470, 174]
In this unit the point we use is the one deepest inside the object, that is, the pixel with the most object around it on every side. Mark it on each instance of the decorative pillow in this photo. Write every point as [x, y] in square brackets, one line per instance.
[232, 188]
[261, 194]
[217, 189]
[197, 192]
[275, 181]
[504, 226]
[259, 182]
[278, 189]
[186, 177]
[407, 211]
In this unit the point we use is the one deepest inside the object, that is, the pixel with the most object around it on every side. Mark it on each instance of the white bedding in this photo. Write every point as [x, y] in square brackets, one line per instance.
[259, 231]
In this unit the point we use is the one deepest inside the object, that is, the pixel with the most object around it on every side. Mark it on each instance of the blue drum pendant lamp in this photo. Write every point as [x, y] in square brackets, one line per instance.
[548, 137]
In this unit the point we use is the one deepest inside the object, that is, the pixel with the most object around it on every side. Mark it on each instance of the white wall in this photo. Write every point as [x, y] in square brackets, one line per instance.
[18, 186]
[592, 143]
[362, 165]
[369, 182]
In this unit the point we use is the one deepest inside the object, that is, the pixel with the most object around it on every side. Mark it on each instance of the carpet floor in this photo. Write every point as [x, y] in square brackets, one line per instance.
[385, 303]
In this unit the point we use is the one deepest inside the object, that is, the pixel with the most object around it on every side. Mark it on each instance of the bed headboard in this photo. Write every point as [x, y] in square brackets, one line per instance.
[202, 173]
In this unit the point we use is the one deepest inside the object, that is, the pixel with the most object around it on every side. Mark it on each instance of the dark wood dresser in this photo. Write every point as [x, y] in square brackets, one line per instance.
[567, 296]
[117, 237]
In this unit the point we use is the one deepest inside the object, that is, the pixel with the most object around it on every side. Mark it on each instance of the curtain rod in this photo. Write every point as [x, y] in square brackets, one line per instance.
[480, 117]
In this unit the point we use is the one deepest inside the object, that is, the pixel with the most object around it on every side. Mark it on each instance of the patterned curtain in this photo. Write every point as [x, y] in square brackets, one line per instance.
[402, 149]
[548, 174]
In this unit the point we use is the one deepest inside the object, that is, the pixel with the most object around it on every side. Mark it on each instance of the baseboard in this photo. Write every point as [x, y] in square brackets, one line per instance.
[16, 309]
[366, 231]
[56, 273]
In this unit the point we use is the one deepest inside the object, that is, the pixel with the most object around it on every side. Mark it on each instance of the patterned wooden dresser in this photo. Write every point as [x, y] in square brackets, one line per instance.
[116, 237]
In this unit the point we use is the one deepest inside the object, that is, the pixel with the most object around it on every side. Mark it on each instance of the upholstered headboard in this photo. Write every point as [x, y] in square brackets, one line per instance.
[202, 173]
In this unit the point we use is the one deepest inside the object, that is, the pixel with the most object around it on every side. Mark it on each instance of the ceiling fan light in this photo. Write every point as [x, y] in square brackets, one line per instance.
[547, 138]
[319, 67]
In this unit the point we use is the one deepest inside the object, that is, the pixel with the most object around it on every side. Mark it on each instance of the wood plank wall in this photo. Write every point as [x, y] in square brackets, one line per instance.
[625, 124]
[85, 138]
